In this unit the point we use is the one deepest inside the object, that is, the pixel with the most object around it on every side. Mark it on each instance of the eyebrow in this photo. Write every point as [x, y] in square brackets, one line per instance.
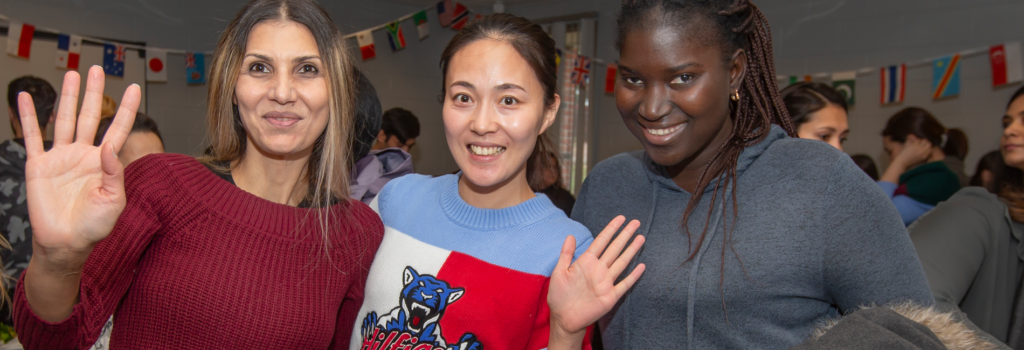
[463, 84]
[684, 66]
[508, 86]
[296, 60]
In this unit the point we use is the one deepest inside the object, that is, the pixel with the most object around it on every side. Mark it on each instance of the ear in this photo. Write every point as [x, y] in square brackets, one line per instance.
[409, 275]
[737, 69]
[10, 112]
[550, 113]
[382, 137]
[455, 295]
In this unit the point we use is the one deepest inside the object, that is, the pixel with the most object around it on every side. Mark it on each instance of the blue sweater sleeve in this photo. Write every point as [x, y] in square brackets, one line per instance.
[868, 255]
[909, 208]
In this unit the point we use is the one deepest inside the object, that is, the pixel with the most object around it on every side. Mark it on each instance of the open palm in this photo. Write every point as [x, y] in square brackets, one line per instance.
[75, 190]
[581, 292]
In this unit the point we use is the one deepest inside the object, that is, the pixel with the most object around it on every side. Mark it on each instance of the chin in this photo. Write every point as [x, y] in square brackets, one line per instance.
[484, 177]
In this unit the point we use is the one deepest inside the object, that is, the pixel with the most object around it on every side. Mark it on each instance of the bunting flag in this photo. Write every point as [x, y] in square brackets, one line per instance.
[459, 17]
[113, 59]
[793, 80]
[420, 18]
[365, 39]
[19, 39]
[69, 49]
[558, 57]
[609, 78]
[195, 68]
[395, 36]
[845, 83]
[156, 65]
[581, 70]
[445, 12]
[894, 82]
[1007, 65]
[946, 77]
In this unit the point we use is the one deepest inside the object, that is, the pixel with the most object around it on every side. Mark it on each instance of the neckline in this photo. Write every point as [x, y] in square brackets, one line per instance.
[472, 217]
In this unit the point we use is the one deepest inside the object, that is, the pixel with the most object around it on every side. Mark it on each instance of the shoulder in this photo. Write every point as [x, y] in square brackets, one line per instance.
[155, 170]
[971, 201]
[408, 189]
[628, 165]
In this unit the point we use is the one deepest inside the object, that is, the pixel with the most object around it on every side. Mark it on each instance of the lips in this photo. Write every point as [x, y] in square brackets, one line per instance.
[662, 135]
[281, 119]
[664, 131]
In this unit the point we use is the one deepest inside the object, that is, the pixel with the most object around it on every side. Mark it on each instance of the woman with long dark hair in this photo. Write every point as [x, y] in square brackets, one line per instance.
[254, 246]
[467, 258]
[818, 112]
[753, 237]
[972, 245]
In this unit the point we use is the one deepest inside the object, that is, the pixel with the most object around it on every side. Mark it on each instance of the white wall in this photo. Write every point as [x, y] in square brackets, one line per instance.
[810, 36]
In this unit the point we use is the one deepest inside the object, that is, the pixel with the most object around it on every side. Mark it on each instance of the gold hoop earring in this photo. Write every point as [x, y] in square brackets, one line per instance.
[735, 96]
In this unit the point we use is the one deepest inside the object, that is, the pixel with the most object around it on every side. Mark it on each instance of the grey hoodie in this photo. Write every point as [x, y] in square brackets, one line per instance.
[814, 237]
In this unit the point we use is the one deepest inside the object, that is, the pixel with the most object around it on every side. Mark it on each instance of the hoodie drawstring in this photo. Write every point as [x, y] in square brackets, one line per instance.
[692, 288]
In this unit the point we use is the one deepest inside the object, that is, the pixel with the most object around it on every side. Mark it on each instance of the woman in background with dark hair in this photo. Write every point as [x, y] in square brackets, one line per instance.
[143, 140]
[992, 172]
[753, 237]
[864, 162]
[544, 172]
[972, 246]
[955, 148]
[818, 112]
[917, 178]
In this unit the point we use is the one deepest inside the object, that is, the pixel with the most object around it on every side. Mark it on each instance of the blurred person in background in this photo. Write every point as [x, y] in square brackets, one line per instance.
[373, 167]
[399, 130]
[955, 148]
[144, 138]
[992, 171]
[818, 112]
[917, 179]
[864, 162]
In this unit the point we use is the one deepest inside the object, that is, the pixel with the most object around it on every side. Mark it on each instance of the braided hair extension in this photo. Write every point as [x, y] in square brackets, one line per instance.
[740, 26]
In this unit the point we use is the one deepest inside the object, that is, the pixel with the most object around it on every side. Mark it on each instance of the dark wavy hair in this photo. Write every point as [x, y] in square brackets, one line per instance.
[43, 97]
[804, 98]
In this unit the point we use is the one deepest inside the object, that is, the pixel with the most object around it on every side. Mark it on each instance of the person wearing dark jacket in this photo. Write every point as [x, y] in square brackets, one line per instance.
[13, 207]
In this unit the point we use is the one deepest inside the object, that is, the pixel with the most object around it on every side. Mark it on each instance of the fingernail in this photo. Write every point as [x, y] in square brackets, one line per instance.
[137, 85]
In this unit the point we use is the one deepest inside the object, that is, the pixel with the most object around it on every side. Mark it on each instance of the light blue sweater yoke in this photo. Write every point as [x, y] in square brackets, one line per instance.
[814, 237]
[527, 237]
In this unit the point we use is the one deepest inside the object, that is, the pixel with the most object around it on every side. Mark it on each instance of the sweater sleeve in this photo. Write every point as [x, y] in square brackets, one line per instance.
[106, 276]
[908, 208]
[362, 251]
[868, 256]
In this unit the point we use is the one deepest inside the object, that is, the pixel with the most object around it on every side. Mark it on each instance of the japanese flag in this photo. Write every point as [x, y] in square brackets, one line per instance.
[156, 65]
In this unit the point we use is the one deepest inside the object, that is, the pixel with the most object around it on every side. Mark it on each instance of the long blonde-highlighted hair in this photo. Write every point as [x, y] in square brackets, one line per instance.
[328, 168]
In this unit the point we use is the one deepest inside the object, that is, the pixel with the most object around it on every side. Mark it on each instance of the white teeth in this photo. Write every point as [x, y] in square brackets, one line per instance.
[486, 151]
[662, 132]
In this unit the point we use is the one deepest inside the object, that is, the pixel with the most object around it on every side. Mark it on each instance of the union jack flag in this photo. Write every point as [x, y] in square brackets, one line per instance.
[190, 60]
[581, 70]
[119, 54]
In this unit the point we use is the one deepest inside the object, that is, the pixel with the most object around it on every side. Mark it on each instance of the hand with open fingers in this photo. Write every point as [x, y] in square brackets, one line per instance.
[583, 291]
[75, 190]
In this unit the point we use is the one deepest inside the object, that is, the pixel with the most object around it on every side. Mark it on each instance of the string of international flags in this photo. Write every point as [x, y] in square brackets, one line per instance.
[1006, 59]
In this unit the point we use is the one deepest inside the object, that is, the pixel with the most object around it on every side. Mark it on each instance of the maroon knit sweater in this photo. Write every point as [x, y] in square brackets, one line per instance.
[195, 262]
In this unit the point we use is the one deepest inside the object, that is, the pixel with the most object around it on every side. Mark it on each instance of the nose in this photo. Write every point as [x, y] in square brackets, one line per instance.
[483, 120]
[1015, 129]
[282, 89]
[654, 103]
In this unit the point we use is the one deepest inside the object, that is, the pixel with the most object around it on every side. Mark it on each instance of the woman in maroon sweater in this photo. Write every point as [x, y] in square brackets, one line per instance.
[256, 246]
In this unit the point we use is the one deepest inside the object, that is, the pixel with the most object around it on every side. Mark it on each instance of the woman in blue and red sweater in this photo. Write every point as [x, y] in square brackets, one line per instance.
[255, 246]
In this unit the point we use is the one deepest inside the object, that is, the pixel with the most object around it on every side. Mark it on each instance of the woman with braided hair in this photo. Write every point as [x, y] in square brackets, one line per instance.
[752, 236]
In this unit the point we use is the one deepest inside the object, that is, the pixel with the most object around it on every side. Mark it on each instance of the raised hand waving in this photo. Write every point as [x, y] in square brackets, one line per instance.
[75, 190]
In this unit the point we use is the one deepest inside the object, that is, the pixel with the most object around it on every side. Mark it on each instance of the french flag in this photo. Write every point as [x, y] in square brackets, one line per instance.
[893, 83]
[19, 39]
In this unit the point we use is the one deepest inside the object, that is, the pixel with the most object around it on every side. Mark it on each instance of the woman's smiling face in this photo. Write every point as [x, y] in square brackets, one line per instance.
[494, 110]
[674, 93]
[281, 92]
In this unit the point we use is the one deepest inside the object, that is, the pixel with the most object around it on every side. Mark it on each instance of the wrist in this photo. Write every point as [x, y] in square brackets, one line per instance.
[560, 338]
[59, 261]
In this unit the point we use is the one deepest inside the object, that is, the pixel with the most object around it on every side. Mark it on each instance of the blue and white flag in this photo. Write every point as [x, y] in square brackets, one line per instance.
[195, 68]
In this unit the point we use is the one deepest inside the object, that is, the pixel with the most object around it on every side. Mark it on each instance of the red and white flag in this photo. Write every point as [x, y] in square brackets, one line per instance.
[609, 78]
[19, 39]
[365, 39]
[1007, 63]
[156, 65]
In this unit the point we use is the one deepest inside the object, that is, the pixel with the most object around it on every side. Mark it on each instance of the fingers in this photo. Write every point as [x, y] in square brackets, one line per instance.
[623, 260]
[64, 126]
[565, 257]
[629, 281]
[30, 125]
[599, 243]
[113, 171]
[613, 250]
[122, 125]
[92, 105]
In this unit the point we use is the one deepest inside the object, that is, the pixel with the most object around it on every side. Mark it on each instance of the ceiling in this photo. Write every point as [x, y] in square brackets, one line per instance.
[472, 3]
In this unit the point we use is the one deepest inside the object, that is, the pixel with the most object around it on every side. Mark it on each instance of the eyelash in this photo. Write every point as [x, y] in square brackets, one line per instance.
[506, 98]
[259, 67]
[457, 97]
